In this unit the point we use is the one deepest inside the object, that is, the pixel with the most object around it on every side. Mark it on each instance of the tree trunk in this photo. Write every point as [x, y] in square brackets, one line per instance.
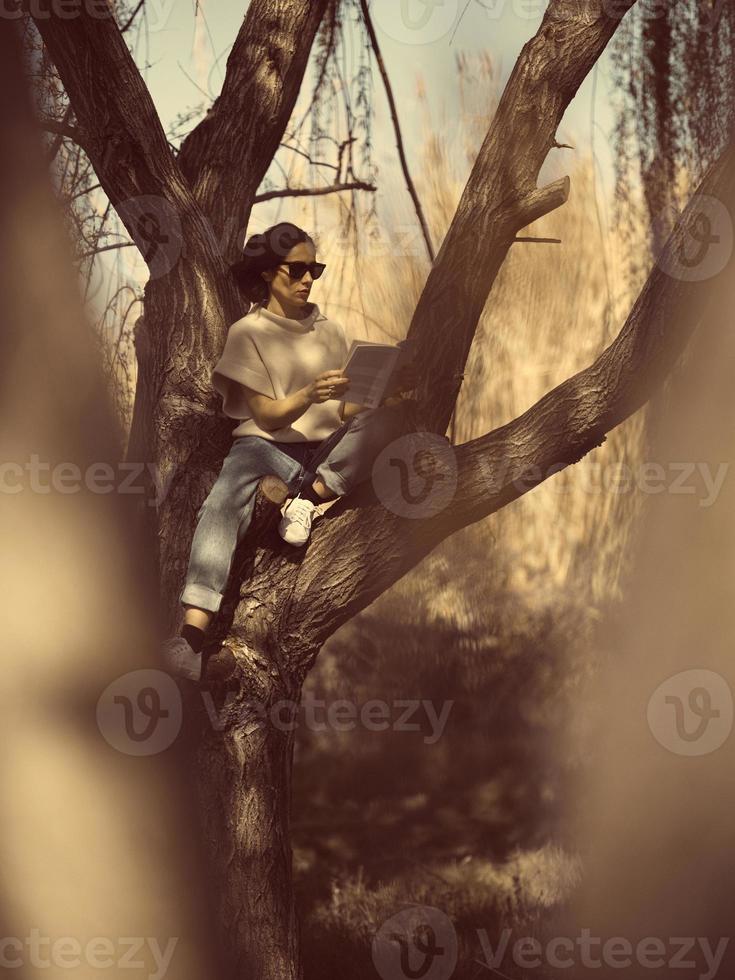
[178, 431]
[187, 215]
[245, 801]
[242, 743]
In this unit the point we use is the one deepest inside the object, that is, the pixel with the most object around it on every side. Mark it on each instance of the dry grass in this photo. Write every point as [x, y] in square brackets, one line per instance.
[476, 896]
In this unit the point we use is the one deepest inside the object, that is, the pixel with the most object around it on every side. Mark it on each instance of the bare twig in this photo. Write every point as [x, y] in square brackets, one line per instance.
[549, 241]
[314, 163]
[357, 185]
[105, 248]
[397, 128]
[129, 22]
[63, 131]
[57, 142]
[82, 192]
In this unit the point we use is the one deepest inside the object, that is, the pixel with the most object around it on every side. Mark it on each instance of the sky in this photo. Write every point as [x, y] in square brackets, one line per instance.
[184, 52]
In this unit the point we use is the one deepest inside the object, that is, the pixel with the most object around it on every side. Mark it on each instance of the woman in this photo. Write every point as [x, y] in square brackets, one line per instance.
[280, 376]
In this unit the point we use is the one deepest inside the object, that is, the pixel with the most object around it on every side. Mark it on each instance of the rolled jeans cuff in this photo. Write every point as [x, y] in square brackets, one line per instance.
[200, 596]
[332, 480]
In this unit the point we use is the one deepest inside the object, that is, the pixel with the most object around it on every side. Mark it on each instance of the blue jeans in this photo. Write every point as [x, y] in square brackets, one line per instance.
[341, 461]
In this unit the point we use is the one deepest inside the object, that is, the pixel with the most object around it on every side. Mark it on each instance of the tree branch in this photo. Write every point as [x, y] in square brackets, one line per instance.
[537, 241]
[543, 201]
[315, 163]
[226, 156]
[105, 248]
[375, 547]
[501, 196]
[62, 130]
[118, 123]
[119, 129]
[70, 132]
[123, 138]
[129, 22]
[357, 185]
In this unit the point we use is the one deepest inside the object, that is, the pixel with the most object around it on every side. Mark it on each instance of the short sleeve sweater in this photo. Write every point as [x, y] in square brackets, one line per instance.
[275, 355]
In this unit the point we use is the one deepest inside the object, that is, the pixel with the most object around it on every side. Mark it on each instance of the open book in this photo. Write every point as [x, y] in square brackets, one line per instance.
[371, 369]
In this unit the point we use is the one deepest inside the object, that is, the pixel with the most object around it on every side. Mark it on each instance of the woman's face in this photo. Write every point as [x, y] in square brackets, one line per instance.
[288, 291]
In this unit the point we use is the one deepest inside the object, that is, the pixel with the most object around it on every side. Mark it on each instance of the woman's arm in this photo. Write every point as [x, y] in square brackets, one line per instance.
[275, 413]
[348, 410]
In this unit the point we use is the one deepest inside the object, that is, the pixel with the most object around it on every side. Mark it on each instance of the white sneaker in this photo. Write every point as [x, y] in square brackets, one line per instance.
[295, 525]
[181, 659]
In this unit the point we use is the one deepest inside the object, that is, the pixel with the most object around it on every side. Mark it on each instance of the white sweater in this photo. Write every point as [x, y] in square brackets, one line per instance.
[276, 356]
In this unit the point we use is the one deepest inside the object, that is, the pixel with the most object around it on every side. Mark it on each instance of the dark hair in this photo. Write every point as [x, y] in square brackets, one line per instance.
[264, 251]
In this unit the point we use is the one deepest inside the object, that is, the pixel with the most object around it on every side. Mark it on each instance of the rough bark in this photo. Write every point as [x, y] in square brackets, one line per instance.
[127, 146]
[243, 741]
[245, 801]
[265, 70]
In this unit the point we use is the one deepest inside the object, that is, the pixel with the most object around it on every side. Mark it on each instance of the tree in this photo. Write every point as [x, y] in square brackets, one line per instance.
[280, 609]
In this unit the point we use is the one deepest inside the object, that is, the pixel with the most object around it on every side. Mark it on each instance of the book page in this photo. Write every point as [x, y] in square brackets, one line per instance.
[369, 368]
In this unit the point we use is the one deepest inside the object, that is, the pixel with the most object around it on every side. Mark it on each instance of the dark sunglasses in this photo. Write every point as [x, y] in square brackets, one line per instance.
[296, 270]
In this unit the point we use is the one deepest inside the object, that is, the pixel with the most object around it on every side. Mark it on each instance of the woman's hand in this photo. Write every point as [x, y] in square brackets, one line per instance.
[328, 384]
